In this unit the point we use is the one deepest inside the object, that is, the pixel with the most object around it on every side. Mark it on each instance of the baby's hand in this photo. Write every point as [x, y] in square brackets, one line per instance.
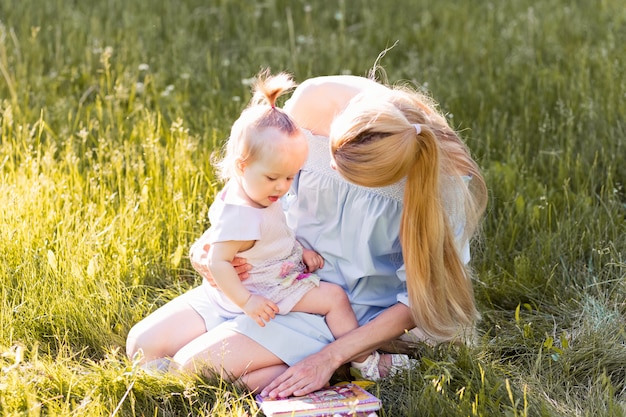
[260, 309]
[312, 260]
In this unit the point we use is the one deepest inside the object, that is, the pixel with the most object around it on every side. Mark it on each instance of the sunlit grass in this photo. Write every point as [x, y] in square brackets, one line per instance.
[109, 114]
[72, 384]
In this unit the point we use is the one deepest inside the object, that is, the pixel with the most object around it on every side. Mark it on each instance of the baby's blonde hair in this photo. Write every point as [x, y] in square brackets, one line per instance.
[375, 143]
[243, 144]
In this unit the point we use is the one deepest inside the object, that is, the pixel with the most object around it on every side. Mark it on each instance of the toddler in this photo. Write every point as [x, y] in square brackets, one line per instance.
[263, 154]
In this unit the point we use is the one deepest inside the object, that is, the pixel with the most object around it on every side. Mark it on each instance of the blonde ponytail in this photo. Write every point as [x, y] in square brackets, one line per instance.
[374, 143]
[440, 292]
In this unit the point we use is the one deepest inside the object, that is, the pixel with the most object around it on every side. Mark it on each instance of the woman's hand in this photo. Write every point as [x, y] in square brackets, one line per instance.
[314, 372]
[308, 375]
[198, 255]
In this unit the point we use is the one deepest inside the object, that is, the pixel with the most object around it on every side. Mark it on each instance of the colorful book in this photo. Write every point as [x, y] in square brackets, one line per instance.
[342, 399]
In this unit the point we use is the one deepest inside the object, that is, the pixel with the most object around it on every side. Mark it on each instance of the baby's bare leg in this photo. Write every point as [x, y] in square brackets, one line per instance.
[330, 301]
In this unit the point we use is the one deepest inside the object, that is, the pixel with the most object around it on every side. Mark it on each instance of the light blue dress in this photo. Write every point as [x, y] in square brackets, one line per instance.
[355, 229]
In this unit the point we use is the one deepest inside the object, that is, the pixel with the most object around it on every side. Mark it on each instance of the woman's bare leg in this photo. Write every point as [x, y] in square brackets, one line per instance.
[232, 356]
[165, 331]
[257, 380]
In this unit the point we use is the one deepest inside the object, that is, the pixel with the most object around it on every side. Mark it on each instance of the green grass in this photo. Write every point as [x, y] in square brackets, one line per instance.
[109, 112]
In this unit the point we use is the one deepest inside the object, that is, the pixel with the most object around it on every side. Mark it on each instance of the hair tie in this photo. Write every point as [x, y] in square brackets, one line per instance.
[418, 127]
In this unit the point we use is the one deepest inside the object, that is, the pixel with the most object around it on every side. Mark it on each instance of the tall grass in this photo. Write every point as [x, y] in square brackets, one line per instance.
[109, 113]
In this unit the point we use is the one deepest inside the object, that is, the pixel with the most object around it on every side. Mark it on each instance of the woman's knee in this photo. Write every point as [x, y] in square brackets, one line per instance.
[142, 341]
[165, 331]
[134, 341]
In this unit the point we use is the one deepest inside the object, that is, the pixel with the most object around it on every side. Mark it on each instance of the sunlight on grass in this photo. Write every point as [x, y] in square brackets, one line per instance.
[110, 113]
[75, 385]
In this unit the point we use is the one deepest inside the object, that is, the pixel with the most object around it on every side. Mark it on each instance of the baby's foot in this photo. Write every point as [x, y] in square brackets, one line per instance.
[378, 366]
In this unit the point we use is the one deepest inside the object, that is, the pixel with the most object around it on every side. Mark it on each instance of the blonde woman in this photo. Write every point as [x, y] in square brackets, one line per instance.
[390, 198]
[392, 208]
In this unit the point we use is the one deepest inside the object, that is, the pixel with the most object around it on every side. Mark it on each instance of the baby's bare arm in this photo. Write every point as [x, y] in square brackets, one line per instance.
[225, 277]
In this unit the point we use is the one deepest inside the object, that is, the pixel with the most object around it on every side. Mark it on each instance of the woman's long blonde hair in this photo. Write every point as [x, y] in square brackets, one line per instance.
[375, 143]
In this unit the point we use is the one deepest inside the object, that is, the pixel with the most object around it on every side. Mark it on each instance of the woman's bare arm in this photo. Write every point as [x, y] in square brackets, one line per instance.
[315, 371]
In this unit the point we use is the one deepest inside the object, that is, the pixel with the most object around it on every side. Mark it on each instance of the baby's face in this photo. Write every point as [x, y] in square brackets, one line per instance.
[266, 179]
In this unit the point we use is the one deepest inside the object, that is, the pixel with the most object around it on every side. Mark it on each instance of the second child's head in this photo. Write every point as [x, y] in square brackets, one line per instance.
[265, 149]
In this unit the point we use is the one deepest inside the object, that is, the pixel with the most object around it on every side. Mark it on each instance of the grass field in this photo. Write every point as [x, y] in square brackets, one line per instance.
[109, 112]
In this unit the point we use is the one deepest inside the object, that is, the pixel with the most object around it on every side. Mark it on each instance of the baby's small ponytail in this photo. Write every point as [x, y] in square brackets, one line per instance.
[267, 88]
[244, 143]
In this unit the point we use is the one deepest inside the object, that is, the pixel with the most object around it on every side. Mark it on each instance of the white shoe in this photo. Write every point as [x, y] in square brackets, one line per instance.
[369, 368]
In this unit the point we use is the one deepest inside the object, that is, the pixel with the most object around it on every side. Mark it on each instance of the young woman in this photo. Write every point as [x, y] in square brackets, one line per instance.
[394, 233]
[393, 217]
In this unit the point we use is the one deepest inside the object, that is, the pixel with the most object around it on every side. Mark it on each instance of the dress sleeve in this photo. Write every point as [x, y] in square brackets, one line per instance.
[403, 296]
[234, 222]
[454, 205]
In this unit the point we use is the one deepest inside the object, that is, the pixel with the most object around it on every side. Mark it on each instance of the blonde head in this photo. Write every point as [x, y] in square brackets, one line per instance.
[247, 141]
[375, 143]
